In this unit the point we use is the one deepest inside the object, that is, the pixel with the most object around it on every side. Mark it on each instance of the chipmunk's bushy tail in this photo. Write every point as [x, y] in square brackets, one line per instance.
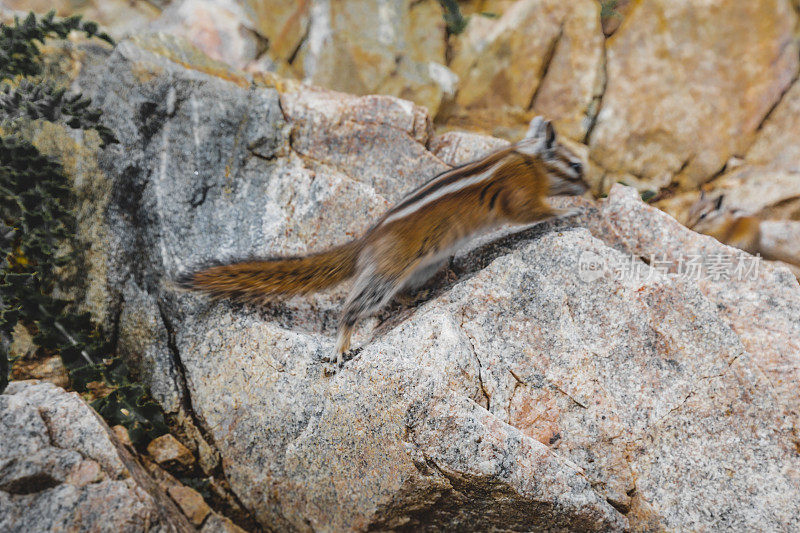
[257, 280]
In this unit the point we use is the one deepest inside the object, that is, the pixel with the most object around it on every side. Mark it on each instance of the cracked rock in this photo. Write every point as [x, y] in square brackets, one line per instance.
[539, 57]
[60, 469]
[689, 85]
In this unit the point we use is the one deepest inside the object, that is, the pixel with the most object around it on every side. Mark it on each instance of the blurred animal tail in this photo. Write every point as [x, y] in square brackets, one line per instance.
[260, 280]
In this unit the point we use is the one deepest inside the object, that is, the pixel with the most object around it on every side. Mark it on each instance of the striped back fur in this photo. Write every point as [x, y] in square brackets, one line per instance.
[563, 167]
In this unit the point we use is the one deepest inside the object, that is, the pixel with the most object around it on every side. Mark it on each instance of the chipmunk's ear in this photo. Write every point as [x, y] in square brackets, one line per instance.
[540, 138]
[542, 130]
[536, 128]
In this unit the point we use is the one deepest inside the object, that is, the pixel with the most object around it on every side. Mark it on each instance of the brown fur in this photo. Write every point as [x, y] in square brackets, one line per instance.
[742, 232]
[708, 216]
[261, 279]
[516, 194]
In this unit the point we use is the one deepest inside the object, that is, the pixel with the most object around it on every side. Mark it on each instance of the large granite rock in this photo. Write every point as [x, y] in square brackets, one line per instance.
[566, 377]
[303, 168]
[61, 470]
[688, 86]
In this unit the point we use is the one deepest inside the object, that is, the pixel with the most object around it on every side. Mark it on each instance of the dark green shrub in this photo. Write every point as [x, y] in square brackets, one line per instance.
[37, 233]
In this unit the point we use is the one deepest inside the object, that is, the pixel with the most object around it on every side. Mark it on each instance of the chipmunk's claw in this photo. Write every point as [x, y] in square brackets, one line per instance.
[332, 364]
[329, 369]
[350, 354]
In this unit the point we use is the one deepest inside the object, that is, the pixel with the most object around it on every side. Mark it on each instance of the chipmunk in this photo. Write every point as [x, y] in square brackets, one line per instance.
[409, 243]
[738, 229]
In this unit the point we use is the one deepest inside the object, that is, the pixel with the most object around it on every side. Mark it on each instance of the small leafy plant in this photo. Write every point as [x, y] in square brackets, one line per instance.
[453, 19]
[19, 53]
[37, 232]
[44, 100]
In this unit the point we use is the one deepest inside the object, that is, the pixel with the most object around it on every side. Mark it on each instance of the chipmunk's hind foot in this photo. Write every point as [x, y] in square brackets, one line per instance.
[342, 351]
[370, 292]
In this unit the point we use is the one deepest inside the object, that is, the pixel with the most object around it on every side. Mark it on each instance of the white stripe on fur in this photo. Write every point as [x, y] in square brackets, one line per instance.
[449, 189]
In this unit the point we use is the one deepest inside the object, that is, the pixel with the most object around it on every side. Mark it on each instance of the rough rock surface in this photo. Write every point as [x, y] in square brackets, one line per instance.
[754, 300]
[689, 84]
[220, 28]
[60, 470]
[525, 392]
[394, 47]
[457, 147]
[765, 184]
[540, 56]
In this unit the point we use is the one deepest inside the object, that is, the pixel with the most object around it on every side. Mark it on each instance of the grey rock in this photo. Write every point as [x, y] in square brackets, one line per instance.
[70, 423]
[458, 147]
[366, 138]
[144, 343]
[754, 298]
[724, 421]
[60, 470]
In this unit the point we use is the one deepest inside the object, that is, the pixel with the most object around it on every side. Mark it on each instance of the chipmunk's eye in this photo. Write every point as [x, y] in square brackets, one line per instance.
[577, 167]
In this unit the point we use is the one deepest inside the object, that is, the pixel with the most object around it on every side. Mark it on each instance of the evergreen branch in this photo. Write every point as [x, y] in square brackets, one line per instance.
[45, 101]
